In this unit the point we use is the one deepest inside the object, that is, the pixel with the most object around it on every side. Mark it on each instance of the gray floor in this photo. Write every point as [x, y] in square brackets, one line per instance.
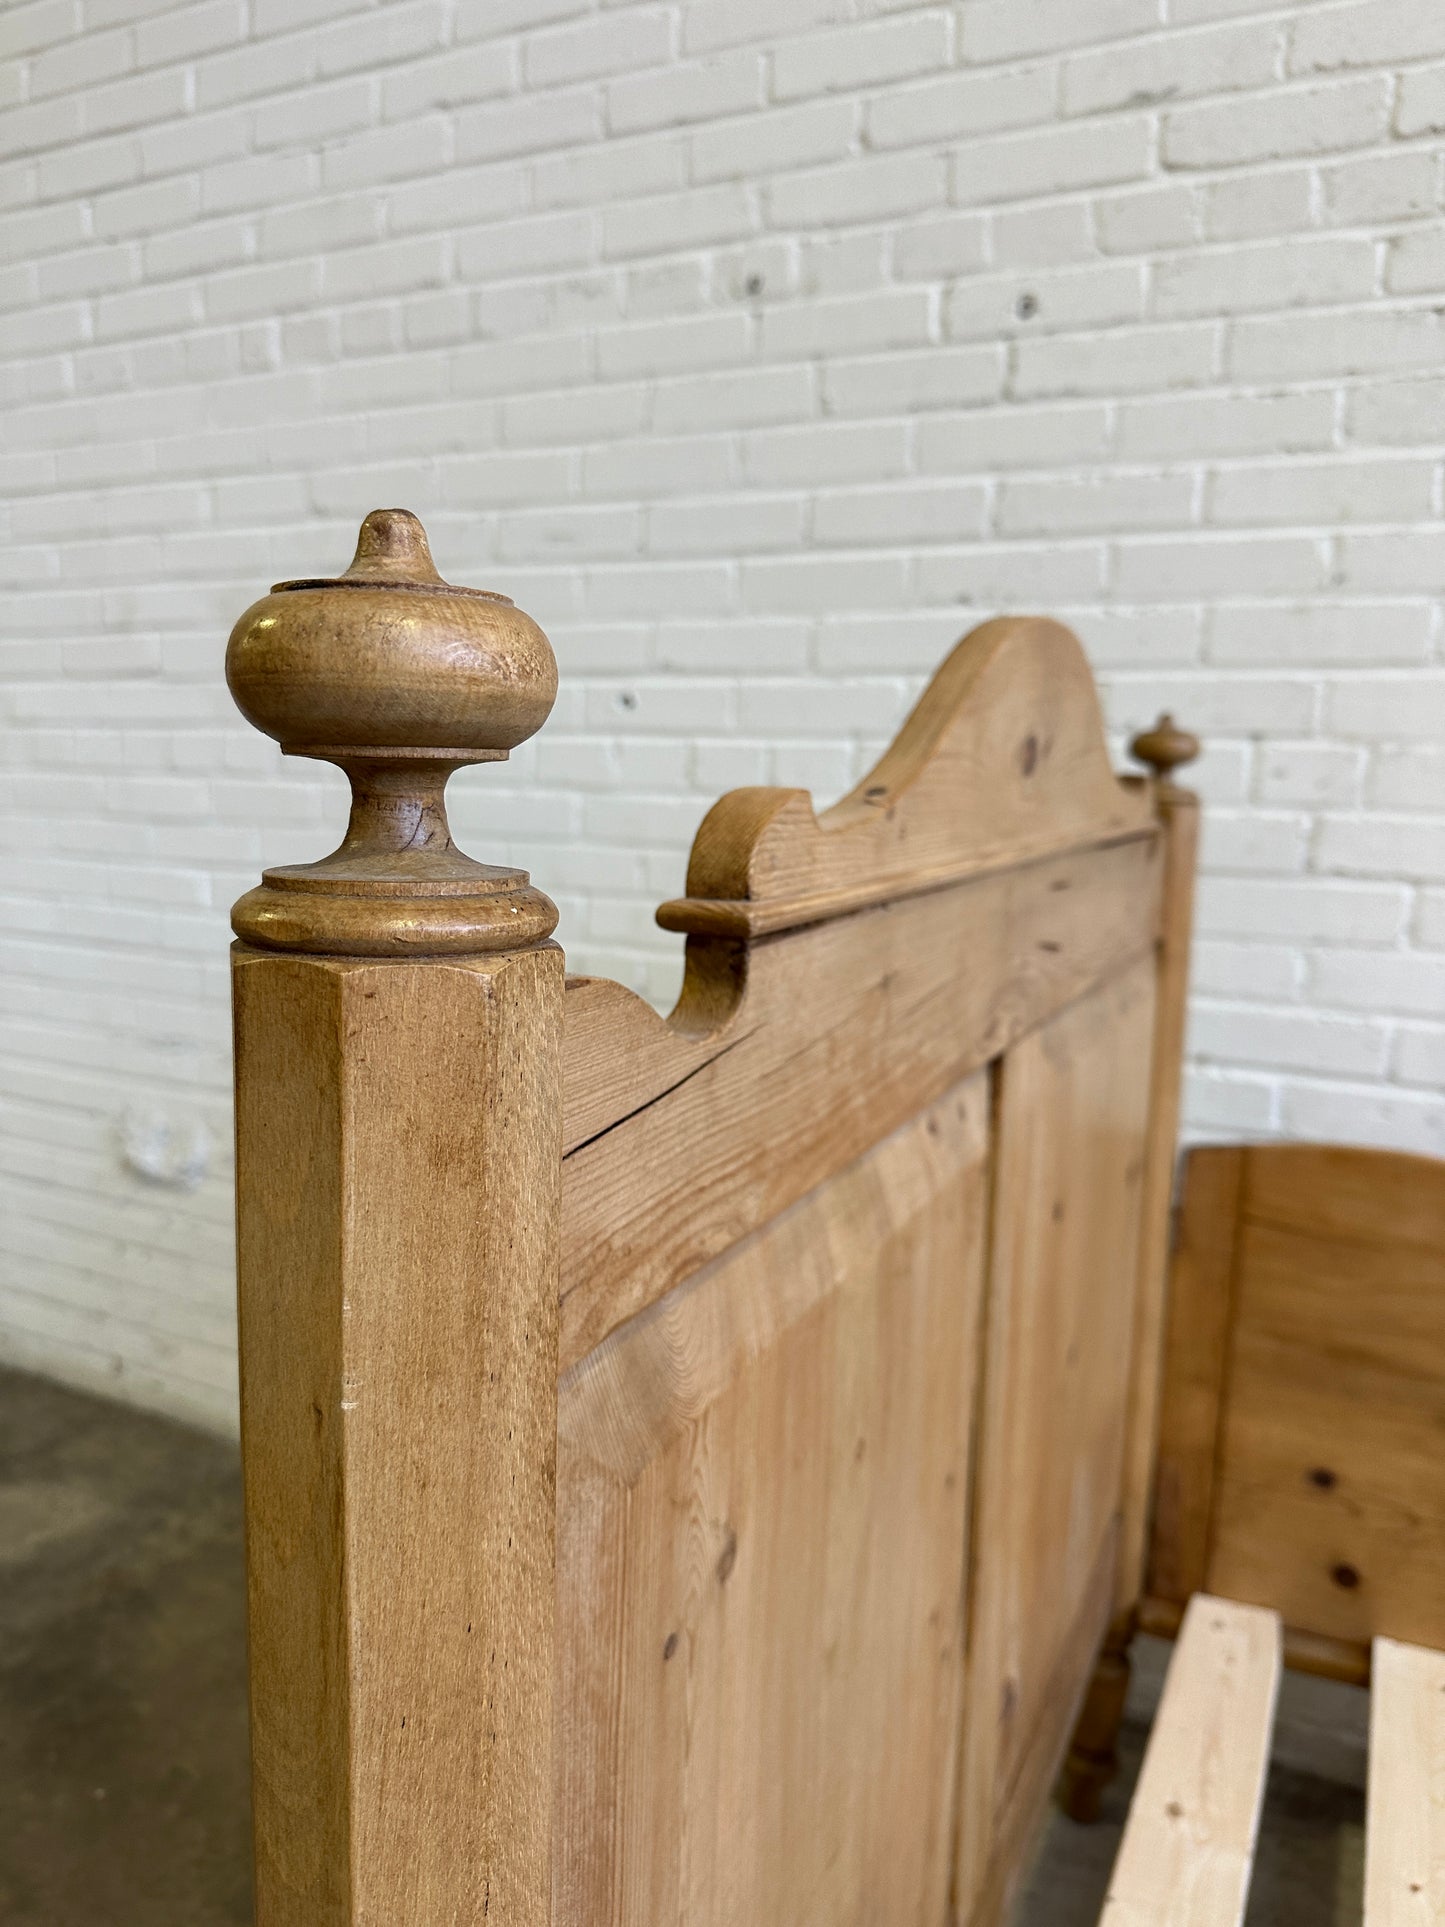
[123, 1797]
[123, 1765]
[1309, 1871]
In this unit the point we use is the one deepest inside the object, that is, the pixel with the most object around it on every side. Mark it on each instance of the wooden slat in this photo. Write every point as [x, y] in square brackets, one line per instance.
[842, 1032]
[1405, 1815]
[1189, 1844]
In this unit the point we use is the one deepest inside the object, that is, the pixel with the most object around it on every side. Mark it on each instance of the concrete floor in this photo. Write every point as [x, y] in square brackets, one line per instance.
[123, 1796]
[123, 1752]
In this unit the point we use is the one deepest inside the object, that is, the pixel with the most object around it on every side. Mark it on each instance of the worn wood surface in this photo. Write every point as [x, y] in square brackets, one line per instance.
[763, 1486]
[846, 1261]
[1179, 813]
[1188, 1846]
[1196, 1360]
[841, 1033]
[1070, 1132]
[398, 1147]
[1405, 1818]
[1325, 1492]
[399, 678]
[1002, 760]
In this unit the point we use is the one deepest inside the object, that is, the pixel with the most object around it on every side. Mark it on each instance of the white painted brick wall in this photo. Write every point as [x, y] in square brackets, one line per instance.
[758, 347]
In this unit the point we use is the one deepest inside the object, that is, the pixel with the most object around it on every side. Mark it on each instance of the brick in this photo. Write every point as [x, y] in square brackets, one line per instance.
[1038, 302]
[1381, 981]
[978, 443]
[1415, 262]
[935, 249]
[869, 190]
[1319, 633]
[899, 318]
[1373, 34]
[1123, 361]
[1209, 565]
[1015, 166]
[873, 517]
[686, 91]
[1264, 127]
[960, 106]
[1328, 492]
[861, 56]
[1309, 909]
[900, 383]
[665, 347]
[697, 218]
[1387, 708]
[1380, 187]
[741, 525]
[828, 452]
[745, 398]
[1420, 1052]
[1383, 846]
[1173, 66]
[1360, 341]
[1191, 426]
[1420, 108]
[1289, 1040]
[1275, 274]
[1145, 219]
[1002, 30]
[610, 43]
[1411, 778]
[1397, 413]
[1117, 502]
[1277, 200]
[760, 144]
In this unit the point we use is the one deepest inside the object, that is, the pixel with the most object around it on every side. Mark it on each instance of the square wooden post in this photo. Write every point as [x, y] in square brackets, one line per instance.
[398, 1016]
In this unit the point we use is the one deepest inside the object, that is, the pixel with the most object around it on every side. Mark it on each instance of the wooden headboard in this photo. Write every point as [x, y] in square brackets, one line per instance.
[691, 1464]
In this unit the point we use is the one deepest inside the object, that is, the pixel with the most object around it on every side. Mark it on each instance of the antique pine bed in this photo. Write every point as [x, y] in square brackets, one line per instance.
[692, 1465]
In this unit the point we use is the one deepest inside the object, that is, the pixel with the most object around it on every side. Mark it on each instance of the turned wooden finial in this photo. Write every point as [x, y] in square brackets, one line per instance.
[399, 678]
[1165, 747]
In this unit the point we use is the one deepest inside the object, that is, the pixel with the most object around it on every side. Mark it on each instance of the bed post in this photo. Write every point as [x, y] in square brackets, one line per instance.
[398, 1146]
[1093, 1760]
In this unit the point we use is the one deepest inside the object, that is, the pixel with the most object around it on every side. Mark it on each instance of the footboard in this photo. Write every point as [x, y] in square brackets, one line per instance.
[692, 1463]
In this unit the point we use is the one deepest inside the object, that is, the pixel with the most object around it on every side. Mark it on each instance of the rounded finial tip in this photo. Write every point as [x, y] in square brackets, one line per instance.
[1165, 747]
[392, 547]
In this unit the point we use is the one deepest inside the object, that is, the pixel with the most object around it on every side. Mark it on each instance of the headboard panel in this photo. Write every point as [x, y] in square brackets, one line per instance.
[854, 1262]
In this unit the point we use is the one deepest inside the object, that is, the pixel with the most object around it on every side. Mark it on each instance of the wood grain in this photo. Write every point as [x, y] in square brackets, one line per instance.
[1002, 761]
[1405, 1818]
[841, 1033]
[1179, 815]
[1196, 1360]
[1329, 1491]
[1070, 1124]
[398, 1146]
[1188, 1847]
[762, 1545]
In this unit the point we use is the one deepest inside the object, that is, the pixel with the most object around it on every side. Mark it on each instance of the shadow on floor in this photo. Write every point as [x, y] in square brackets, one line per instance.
[123, 1753]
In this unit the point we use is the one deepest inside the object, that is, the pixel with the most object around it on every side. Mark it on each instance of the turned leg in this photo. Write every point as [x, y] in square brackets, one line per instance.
[1093, 1757]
